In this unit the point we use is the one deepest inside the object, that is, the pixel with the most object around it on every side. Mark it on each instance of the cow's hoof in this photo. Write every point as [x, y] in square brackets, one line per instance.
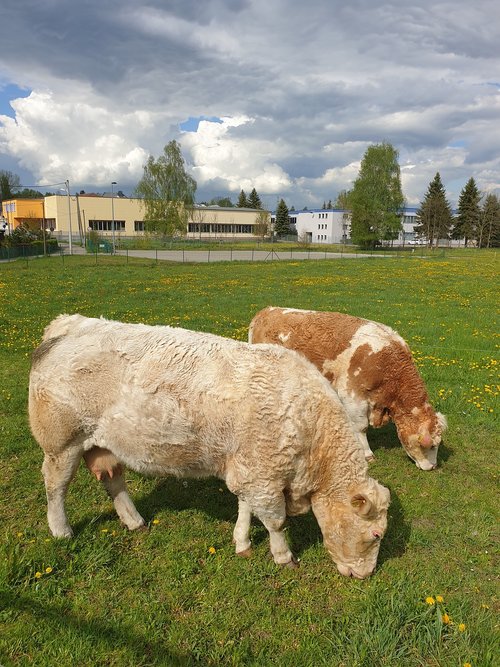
[293, 564]
[246, 553]
[370, 457]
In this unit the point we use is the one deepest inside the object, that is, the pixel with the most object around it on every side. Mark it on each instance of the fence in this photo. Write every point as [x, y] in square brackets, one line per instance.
[25, 250]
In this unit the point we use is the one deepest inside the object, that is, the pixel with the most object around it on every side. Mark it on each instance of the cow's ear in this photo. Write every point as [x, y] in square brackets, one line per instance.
[361, 504]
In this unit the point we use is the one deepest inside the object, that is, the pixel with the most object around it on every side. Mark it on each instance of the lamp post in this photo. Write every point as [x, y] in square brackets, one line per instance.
[113, 183]
[69, 219]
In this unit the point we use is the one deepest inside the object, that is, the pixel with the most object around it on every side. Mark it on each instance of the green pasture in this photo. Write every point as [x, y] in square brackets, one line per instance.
[176, 594]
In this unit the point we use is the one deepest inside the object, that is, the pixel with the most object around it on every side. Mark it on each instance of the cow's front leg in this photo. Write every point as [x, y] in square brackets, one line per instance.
[273, 517]
[363, 441]
[241, 533]
[358, 415]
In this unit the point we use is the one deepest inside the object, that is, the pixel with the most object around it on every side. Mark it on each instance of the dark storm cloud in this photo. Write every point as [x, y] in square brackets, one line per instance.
[304, 88]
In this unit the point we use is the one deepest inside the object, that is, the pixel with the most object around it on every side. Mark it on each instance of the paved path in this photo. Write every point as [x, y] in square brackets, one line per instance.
[235, 255]
[229, 255]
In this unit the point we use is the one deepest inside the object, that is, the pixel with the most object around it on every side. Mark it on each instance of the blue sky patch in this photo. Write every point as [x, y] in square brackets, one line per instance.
[8, 93]
[191, 124]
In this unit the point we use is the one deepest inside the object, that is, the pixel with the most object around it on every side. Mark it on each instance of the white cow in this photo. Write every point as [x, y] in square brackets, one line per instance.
[167, 401]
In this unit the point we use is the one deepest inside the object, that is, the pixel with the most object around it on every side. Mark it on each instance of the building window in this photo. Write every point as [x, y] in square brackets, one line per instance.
[107, 225]
[138, 225]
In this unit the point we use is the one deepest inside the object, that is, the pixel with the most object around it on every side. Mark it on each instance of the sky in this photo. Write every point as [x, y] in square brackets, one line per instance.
[283, 96]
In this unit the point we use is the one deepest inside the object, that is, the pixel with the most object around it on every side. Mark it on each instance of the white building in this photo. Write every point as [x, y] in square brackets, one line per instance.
[334, 226]
[323, 226]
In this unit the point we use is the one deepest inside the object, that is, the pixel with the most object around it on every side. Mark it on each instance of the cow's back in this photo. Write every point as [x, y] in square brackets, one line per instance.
[317, 335]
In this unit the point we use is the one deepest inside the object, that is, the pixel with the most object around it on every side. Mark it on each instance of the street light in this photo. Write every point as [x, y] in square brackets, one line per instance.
[113, 214]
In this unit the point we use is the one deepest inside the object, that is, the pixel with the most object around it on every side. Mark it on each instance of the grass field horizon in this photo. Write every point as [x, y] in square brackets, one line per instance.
[177, 594]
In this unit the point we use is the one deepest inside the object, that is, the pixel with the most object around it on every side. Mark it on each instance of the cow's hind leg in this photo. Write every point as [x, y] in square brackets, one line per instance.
[241, 533]
[125, 508]
[58, 471]
[105, 466]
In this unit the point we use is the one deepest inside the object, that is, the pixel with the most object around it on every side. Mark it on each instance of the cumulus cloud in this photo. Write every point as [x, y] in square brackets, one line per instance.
[300, 90]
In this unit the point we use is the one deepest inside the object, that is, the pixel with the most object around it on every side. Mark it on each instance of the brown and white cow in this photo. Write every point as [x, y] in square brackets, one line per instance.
[371, 368]
[167, 401]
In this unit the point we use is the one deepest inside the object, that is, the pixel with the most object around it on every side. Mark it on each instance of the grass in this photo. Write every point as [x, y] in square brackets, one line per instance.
[177, 594]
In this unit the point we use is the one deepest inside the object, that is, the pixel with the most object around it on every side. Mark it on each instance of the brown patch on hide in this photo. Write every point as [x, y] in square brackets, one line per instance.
[43, 349]
[319, 336]
[366, 370]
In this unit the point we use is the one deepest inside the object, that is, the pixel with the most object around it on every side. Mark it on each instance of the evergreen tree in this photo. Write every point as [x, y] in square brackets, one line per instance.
[282, 224]
[254, 200]
[342, 201]
[468, 215]
[329, 205]
[168, 192]
[489, 227]
[242, 200]
[434, 216]
[376, 200]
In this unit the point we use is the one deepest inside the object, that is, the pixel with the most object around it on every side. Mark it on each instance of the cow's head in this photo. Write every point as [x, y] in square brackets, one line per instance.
[420, 433]
[352, 530]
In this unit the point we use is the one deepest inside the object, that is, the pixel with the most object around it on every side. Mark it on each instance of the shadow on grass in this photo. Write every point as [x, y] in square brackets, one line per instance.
[211, 497]
[386, 437]
[398, 531]
[93, 631]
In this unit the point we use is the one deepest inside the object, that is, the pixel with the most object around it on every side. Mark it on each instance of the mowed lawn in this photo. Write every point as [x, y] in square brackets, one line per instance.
[177, 594]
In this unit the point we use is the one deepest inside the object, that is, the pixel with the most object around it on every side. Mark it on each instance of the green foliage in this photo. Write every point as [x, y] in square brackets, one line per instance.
[468, 217]
[262, 224]
[23, 234]
[488, 231]
[29, 193]
[342, 201]
[376, 199]
[242, 200]
[282, 224]
[434, 216]
[224, 202]
[9, 183]
[254, 200]
[168, 192]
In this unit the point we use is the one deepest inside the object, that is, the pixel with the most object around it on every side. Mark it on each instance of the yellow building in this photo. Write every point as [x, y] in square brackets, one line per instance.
[27, 212]
[83, 212]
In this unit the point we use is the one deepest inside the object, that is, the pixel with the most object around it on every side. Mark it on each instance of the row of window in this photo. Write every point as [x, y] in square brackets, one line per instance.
[107, 225]
[322, 225]
[323, 215]
[219, 228]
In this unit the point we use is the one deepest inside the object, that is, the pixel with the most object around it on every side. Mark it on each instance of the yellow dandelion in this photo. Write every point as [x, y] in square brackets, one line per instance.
[439, 598]
[430, 600]
[211, 550]
[38, 575]
[461, 627]
[467, 664]
[20, 534]
[446, 619]
[104, 530]
[48, 570]
[156, 522]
